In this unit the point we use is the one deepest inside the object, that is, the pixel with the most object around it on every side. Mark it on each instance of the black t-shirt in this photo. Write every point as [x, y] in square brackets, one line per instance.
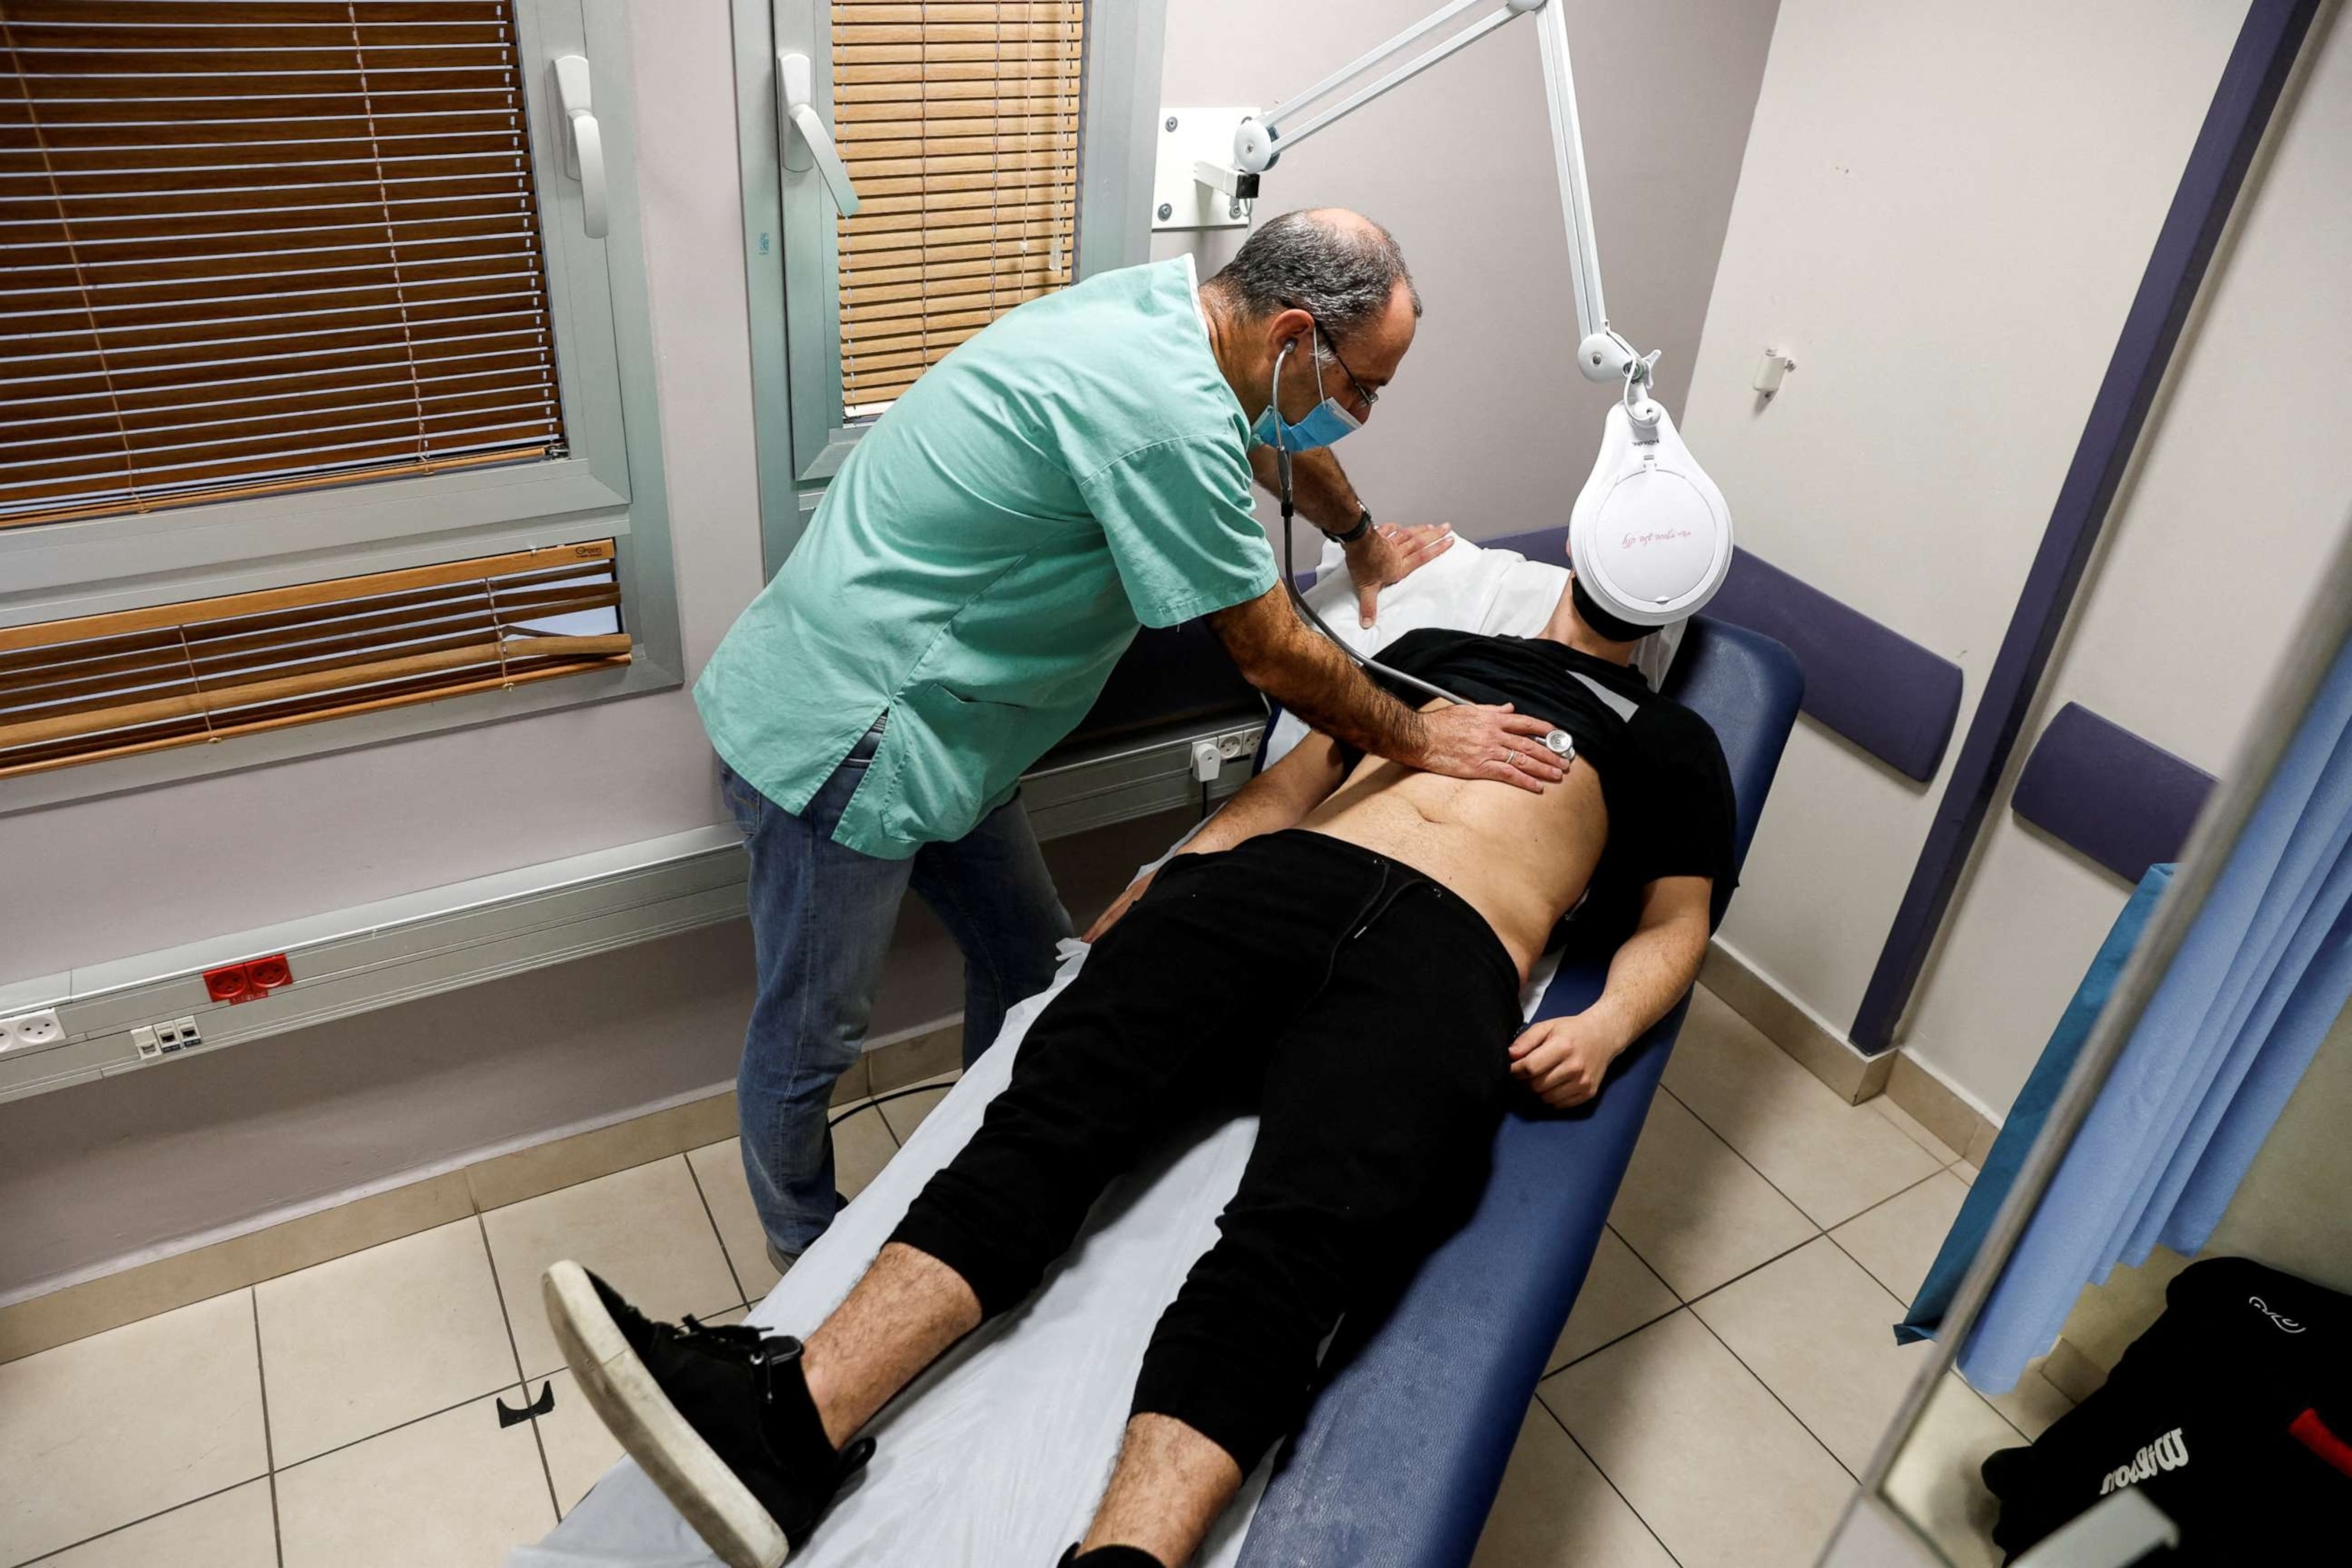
[1668, 790]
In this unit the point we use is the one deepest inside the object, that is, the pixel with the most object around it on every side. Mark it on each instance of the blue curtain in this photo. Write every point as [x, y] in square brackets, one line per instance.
[2031, 1109]
[2264, 970]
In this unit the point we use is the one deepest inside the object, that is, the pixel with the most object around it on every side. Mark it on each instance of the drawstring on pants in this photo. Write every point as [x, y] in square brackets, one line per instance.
[1385, 893]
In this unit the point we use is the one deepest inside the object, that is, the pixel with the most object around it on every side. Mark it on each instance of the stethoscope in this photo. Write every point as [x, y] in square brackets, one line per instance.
[1559, 742]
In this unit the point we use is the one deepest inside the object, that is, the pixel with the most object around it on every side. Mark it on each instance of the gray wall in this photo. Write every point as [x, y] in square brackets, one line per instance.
[1945, 212]
[106, 1172]
[1488, 424]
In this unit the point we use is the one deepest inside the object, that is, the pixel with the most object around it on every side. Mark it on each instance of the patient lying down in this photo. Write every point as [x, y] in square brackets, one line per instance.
[1340, 951]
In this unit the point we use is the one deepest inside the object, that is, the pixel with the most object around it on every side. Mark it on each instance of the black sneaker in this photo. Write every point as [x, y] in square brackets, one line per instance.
[721, 1418]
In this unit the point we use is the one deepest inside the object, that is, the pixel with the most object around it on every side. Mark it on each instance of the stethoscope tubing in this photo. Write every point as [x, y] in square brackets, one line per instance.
[1559, 742]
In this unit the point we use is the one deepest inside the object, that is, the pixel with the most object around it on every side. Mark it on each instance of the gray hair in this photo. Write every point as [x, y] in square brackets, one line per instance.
[1340, 274]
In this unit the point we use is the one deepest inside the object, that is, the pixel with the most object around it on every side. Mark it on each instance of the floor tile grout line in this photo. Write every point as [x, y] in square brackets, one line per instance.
[52, 1556]
[1889, 1198]
[1680, 1303]
[1743, 1159]
[1606, 1478]
[1767, 1387]
[268, 1443]
[514, 1348]
[504, 1388]
[888, 1131]
[1616, 1340]
[1831, 1236]
[1637, 1328]
[1936, 1147]
[1680, 1300]
[1866, 1268]
[713, 1216]
[1769, 1181]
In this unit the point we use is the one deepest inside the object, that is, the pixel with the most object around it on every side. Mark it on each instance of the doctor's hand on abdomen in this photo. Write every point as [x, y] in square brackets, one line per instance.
[1472, 741]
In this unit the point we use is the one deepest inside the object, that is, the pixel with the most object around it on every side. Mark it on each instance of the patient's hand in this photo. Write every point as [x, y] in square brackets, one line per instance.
[1562, 1060]
[1125, 902]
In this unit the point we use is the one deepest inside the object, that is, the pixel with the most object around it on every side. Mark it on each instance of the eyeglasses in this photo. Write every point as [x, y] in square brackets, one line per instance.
[1371, 397]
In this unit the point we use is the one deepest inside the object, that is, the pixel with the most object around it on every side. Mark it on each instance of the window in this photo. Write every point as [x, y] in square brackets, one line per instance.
[1000, 150]
[959, 125]
[202, 672]
[246, 252]
[296, 300]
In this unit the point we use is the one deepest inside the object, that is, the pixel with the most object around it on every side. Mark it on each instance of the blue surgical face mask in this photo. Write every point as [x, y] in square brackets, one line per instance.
[1325, 423]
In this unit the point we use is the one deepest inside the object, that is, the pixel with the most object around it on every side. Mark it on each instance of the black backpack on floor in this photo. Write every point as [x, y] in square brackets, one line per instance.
[2233, 1414]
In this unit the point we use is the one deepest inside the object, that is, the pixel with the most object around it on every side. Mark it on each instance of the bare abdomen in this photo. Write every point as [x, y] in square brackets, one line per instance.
[1518, 858]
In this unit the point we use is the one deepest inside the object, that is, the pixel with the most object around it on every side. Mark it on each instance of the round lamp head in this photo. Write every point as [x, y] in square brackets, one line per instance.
[1650, 538]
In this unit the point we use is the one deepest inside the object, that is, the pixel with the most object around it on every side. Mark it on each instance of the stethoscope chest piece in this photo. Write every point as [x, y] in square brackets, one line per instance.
[1560, 744]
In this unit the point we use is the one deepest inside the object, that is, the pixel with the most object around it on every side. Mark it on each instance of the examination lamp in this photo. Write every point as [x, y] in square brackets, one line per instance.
[1650, 537]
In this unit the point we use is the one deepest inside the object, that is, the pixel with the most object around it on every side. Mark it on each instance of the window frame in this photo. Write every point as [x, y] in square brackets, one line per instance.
[790, 251]
[610, 485]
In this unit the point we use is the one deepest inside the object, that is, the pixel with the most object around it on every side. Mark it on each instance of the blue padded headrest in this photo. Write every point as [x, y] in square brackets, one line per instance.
[1748, 687]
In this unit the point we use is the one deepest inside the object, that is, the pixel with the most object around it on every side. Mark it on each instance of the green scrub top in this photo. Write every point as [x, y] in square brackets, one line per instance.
[984, 555]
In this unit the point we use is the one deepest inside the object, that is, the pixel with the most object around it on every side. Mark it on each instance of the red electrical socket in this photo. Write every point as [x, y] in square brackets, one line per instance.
[244, 981]
[229, 982]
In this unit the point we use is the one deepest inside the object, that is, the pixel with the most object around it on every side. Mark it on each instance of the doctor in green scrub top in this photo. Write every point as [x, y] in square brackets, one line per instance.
[1077, 471]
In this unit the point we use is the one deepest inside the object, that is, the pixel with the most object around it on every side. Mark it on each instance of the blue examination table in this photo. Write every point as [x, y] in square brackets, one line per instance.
[1422, 1396]
[1403, 1453]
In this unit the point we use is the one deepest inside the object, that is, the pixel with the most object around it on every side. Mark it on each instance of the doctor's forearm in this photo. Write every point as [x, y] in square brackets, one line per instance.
[1318, 486]
[1279, 655]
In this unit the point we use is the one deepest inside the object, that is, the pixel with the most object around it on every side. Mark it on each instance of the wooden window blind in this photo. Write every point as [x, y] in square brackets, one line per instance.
[207, 671]
[249, 245]
[958, 123]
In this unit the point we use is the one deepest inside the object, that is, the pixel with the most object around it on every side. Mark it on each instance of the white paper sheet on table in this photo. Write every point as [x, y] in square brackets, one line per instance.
[997, 1456]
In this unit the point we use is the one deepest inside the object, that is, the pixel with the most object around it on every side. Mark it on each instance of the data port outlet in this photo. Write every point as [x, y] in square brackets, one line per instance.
[40, 1028]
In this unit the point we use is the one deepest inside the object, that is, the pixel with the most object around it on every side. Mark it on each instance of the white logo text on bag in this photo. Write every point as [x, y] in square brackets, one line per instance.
[2166, 1453]
[2283, 1322]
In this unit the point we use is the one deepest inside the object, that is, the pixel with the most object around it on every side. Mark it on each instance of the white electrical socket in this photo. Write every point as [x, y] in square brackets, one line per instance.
[40, 1028]
[143, 1040]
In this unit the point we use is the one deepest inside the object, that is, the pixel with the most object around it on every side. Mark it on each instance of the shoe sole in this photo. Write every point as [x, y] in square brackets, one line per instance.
[624, 1394]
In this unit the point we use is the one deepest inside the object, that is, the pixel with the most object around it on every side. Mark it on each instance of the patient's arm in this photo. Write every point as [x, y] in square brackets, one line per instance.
[1277, 798]
[1562, 1060]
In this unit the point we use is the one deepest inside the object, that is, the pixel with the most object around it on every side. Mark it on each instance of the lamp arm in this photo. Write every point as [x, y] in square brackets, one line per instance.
[1602, 354]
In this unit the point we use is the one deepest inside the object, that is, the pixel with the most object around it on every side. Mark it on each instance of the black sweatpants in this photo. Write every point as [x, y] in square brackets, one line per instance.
[1362, 1010]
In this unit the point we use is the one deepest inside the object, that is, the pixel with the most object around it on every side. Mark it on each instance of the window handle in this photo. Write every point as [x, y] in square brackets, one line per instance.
[583, 145]
[796, 109]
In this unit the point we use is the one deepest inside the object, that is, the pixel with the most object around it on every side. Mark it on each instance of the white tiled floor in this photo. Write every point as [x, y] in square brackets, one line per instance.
[1727, 1369]
[346, 1416]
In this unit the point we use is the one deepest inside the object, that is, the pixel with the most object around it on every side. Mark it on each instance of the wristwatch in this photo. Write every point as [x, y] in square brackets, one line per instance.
[1363, 526]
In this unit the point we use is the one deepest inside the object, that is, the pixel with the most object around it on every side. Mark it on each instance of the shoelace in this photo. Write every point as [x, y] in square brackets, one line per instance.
[743, 1341]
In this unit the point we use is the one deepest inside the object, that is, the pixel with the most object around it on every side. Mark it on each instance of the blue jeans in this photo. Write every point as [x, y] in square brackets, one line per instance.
[821, 917]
